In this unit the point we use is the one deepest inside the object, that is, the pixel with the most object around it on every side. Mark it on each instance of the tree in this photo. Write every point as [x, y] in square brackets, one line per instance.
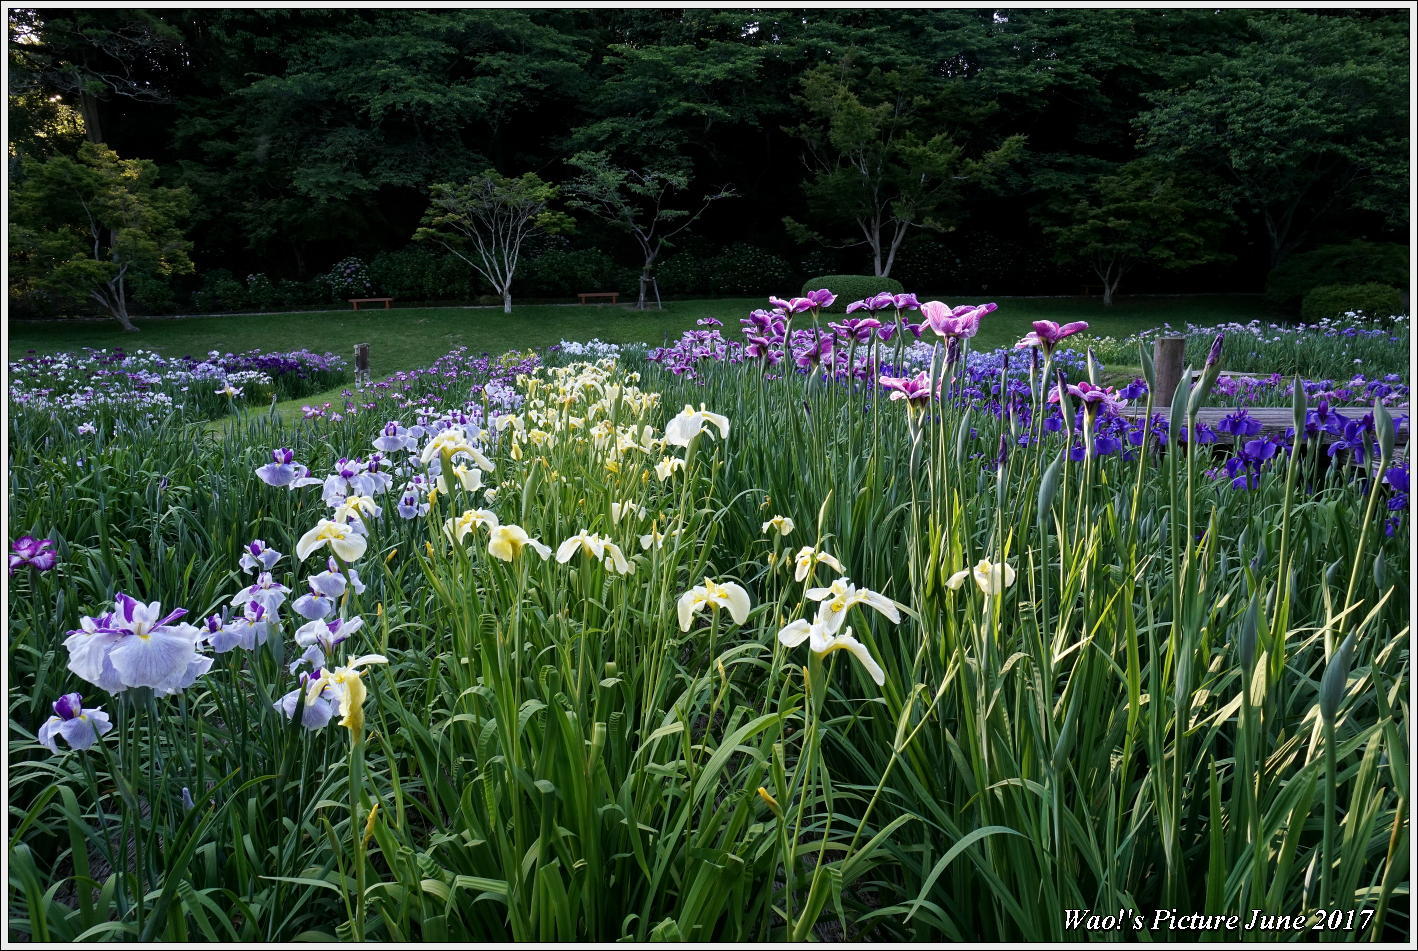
[872, 168]
[91, 57]
[485, 222]
[86, 227]
[1134, 214]
[1307, 116]
[636, 201]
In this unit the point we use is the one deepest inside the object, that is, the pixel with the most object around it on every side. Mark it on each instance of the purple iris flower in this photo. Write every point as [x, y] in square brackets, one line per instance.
[957, 322]
[284, 472]
[905, 302]
[815, 352]
[857, 328]
[80, 728]
[136, 645]
[258, 557]
[1134, 390]
[1239, 423]
[1245, 466]
[412, 504]
[317, 711]
[1093, 398]
[821, 298]
[1047, 334]
[37, 553]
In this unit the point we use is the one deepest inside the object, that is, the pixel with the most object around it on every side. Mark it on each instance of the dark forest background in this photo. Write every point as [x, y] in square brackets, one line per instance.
[1205, 148]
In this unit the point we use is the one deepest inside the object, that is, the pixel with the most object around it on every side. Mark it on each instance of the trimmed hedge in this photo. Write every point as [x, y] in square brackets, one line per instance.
[852, 287]
[1376, 301]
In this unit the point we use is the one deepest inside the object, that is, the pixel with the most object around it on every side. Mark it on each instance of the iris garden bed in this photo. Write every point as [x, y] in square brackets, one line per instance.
[767, 635]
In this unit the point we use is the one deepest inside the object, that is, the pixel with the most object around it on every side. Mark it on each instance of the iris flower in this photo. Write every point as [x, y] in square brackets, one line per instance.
[778, 523]
[691, 422]
[136, 645]
[348, 684]
[80, 728]
[507, 542]
[620, 510]
[839, 597]
[259, 557]
[319, 708]
[913, 389]
[284, 472]
[266, 592]
[713, 595]
[458, 528]
[807, 557]
[667, 467]
[37, 553]
[347, 544]
[991, 578]
[823, 639]
[1047, 334]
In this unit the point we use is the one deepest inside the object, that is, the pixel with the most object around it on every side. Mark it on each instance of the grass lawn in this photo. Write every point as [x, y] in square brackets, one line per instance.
[406, 338]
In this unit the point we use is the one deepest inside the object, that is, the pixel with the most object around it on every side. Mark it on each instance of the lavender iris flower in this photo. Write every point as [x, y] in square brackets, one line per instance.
[394, 437]
[258, 557]
[320, 638]
[37, 553]
[80, 728]
[266, 592]
[284, 472]
[136, 645]
[318, 710]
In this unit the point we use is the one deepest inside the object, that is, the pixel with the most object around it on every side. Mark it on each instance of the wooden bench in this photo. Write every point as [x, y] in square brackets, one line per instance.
[613, 295]
[356, 301]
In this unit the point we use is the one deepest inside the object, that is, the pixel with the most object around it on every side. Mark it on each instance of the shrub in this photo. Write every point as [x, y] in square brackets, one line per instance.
[852, 287]
[261, 294]
[150, 295]
[683, 273]
[1376, 301]
[742, 269]
[348, 278]
[561, 272]
[420, 274]
[1358, 262]
[220, 291]
[927, 263]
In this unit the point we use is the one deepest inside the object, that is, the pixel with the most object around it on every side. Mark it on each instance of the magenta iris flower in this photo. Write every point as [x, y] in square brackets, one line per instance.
[913, 389]
[1092, 397]
[963, 321]
[821, 298]
[37, 553]
[1047, 334]
[795, 306]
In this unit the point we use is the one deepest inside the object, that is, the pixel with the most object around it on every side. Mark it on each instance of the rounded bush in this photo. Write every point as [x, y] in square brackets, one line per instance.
[1357, 262]
[1375, 301]
[852, 287]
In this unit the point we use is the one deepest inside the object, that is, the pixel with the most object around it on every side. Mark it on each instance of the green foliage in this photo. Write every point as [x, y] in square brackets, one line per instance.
[80, 229]
[565, 272]
[1304, 114]
[1374, 301]
[419, 273]
[1355, 262]
[1135, 214]
[220, 291]
[485, 221]
[876, 170]
[737, 269]
[852, 287]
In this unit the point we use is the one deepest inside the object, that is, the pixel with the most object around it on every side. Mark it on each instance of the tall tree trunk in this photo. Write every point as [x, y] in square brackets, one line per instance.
[88, 108]
[506, 301]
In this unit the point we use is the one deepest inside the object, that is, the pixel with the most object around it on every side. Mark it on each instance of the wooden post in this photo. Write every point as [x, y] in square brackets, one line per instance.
[1167, 356]
[361, 364]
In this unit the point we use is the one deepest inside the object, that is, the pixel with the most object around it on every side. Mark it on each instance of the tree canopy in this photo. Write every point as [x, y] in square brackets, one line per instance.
[889, 139]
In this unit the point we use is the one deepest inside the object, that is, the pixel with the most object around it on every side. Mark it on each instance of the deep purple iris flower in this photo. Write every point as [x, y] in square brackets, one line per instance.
[1239, 423]
[1245, 466]
[37, 553]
